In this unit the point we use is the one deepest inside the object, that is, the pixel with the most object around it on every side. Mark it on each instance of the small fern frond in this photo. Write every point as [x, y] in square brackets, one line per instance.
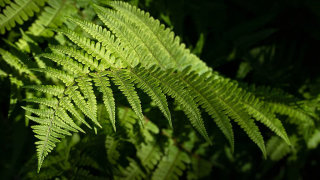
[52, 16]
[158, 40]
[50, 102]
[149, 155]
[55, 73]
[124, 83]
[277, 148]
[40, 112]
[14, 62]
[103, 84]
[4, 2]
[79, 55]
[107, 39]
[86, 88]
[65, 102]
[18, 12]
[171, 165]
[260, 112]
[79, 100]
[68, 63]
[92, 48]
[111, 145]
[291, 111]
[174, 88]
[17, 64]
[48, 89]
[151, 87]
[133, 171]
[203, 95]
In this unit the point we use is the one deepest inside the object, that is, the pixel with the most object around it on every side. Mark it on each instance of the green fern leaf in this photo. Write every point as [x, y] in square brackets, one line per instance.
[277, 148]
[151, 87]
[40, 112]
[66, 62]
[157, 39]
[172, 164]
[79, 100]
[49, 89]
[86, 88]
[260, 112]
[50, 102]
[132, 172]
[92, 48]
[53, 16]
[59, 74]
[203, 95]
[122, 79]
[174, 88]
[103, 84]
[149, 155]
[111, 145]
[79, 55]
[65, 102]
[18, 12]
[4, 2]
[107, 39]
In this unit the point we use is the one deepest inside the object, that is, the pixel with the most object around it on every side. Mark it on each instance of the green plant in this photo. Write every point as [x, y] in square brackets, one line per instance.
[125, 50]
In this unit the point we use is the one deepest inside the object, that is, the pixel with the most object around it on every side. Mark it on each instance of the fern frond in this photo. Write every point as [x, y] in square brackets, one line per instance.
[277, 149]
[174, 88]
[291, 111]
[68, 63]
[65, 102]
[14, 62]
[92, 48]
[260, 112]
[103, 84]
[79, 55]
[151, 87]
[149, 155]
[79, 100]
[111, 145]
[4, 2]
[129, 35]
[18, 65]
[49, 132]
[124, 83]
[133, 171]
[107, 39]
[204, 96]
[18, 12]
[53, 16]
[40, 112]
[86, 88]
[48, 89]
[160, 41]
[171, 165]
[59, 74]
[50, 102]
[229, 97]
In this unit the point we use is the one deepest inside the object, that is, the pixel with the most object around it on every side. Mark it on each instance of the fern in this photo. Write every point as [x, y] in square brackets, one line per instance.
[133, 171]
[17, 12]
[172, 164]
[138, 51]
[52, 16]
[149, 155]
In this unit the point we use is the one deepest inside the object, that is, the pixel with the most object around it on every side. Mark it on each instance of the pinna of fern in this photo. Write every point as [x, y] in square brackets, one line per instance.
[137, 51]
